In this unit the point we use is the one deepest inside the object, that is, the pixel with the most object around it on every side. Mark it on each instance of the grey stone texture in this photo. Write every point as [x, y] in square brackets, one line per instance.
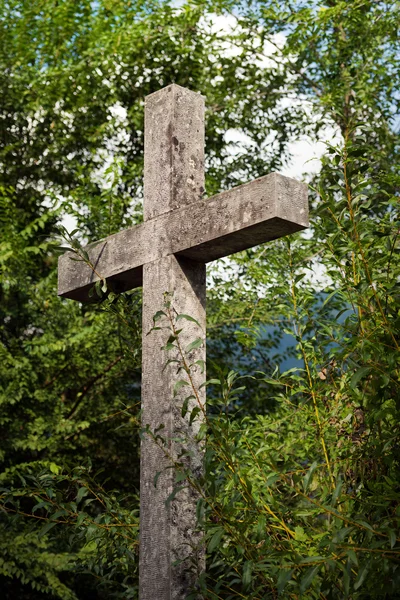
[181, 232]
[168, 533]
[240, 218]
[173, 150]
[173, 177]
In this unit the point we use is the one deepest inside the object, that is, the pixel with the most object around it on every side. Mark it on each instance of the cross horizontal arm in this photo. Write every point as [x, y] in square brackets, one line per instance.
[265, 209]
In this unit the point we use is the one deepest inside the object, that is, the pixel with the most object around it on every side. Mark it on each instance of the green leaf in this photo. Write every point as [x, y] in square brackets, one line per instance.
[247, 574]
[180, 476]
[201, 364]
[215, 540]
[361, 576]
[80, 519]
[58, 514]
[47, 528]
[307, 579]
[159, 314]
[194, 414]
[284, 577]
[341, 534]
[97, 287]
[173, 494]
[299, 277]
[65, 249]
[336, 492]
[82, 492]
[195, 344]
[156, 477]
[179, 384]
[210, 382]
[392, 538]
[168, 346]
[170, 362]
[40, 505]
[365, 525]
[188, 318]
[185, 405]
[200, 510]
[358, 375]
[202, 432]
[300, 534]
[308, 476]
[329, 297]
[352, 557]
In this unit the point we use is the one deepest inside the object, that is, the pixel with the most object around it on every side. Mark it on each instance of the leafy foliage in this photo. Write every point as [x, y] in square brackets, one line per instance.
[301, 484]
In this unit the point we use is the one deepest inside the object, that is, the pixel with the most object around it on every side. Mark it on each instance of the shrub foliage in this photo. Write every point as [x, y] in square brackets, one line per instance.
[300, 490]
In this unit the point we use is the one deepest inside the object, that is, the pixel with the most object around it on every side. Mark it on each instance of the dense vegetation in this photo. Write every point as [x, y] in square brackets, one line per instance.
[301, 486]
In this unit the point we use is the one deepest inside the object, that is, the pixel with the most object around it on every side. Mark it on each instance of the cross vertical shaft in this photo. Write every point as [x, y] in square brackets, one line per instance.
[174, 177]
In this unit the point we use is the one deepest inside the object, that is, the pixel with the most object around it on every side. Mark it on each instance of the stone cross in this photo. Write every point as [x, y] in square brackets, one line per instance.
[180, 233]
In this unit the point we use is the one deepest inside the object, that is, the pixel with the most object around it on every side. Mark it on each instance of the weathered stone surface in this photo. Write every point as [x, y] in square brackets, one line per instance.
[168, 533]
[250, 214]
[174, 176]
[174, 150]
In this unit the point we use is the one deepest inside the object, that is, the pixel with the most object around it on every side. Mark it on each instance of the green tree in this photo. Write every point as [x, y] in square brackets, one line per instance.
[301, 492]
[307, 499]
